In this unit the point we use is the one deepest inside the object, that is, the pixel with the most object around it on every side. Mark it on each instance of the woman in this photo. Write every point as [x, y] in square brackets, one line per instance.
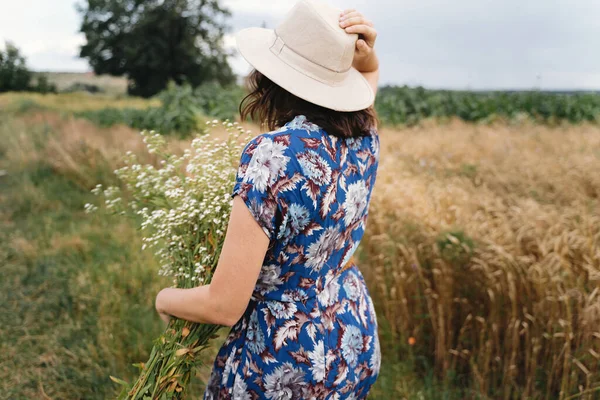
[303, 322]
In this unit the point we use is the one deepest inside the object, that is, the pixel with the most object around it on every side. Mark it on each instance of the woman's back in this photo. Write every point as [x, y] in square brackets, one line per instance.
[310, 192]
[310, 329]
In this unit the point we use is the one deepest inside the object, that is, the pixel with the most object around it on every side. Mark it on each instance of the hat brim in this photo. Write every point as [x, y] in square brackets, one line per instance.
[354, 93]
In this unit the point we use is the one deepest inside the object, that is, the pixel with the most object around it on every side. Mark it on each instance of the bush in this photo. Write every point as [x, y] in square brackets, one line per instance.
[179, 113]
[218, 101]
[182, 111]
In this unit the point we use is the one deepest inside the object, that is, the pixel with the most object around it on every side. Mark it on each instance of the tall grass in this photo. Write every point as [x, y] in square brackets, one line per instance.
[484, 246]
[76, 291]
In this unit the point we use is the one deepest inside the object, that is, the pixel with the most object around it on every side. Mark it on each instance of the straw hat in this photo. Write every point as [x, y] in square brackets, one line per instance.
[309, 55]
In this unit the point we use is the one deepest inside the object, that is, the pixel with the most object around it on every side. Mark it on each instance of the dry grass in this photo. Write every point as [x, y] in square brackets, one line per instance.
[79, 150]
[73, 147]
[483, 243]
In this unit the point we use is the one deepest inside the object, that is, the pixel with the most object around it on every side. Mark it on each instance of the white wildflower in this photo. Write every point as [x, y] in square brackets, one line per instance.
[181, 201]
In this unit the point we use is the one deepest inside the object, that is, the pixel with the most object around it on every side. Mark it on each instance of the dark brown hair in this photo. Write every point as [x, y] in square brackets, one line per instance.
[274, 106]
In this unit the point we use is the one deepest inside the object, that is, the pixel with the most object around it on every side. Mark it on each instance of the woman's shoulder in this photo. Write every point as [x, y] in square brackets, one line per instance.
[301, 135]
[299, 123]
[288, 139]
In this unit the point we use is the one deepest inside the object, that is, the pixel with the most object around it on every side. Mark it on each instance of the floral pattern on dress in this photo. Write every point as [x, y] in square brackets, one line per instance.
[310, 328]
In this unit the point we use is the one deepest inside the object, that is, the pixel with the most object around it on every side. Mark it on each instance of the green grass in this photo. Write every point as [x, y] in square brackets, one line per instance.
[76, 291]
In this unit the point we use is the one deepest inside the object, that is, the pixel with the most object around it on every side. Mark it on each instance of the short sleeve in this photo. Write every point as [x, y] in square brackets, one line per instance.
[261, 178]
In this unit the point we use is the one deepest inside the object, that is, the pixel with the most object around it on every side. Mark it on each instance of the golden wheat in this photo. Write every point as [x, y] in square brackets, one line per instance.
[493, 234]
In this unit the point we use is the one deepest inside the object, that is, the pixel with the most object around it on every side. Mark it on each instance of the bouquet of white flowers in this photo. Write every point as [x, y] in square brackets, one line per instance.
[183, 207]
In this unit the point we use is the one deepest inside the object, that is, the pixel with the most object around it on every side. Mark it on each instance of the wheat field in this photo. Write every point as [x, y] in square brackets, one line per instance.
[484, 248]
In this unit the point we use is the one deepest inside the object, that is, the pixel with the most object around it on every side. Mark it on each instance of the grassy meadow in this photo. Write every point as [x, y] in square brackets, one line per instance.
[482, 255]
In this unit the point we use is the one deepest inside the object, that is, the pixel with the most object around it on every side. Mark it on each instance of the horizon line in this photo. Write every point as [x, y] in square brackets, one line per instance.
[439, 88]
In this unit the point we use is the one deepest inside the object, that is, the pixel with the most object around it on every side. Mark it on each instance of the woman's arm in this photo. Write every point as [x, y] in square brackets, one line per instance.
[225, 299]
[365, 59]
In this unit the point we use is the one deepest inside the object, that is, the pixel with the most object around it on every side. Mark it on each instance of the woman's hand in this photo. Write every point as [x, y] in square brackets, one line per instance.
[160, 305]
[365, 59]
[226, 298]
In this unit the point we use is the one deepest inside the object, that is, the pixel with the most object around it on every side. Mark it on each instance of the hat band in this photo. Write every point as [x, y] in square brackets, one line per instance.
[305, 66]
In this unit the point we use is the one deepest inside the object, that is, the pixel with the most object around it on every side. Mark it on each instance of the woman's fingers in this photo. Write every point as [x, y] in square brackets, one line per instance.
[363, 48]
[354, 22]
[364, 61]
[369, 33]
[351, 14]
[355, 17]
[165, 317]
[357, 20]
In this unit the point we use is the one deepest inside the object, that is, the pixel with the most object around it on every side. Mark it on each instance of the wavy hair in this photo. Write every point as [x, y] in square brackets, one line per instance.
[270, 104]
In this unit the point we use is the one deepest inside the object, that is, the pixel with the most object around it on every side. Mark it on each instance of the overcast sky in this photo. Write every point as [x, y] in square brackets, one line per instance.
[476, 44]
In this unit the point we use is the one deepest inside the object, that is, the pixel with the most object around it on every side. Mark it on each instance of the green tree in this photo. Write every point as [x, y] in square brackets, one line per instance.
[14, 74]
[156, 41]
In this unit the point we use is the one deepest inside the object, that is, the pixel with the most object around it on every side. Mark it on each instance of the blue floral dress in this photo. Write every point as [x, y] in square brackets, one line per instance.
[310, 329]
